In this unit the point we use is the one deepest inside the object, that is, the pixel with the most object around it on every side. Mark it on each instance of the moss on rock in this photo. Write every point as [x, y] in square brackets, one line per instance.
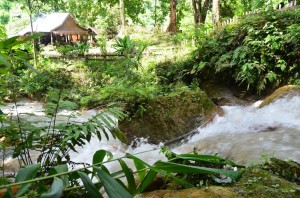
[257, 181]
[168, 117]
[211, 191]
[288, 90]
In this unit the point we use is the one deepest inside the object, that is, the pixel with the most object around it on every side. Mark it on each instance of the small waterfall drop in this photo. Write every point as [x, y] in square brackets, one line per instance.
[243, 134]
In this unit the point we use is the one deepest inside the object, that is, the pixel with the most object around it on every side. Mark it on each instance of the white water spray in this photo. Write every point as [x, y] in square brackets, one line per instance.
[244, 133]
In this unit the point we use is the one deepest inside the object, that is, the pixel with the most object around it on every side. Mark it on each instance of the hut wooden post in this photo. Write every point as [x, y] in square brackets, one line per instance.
[51, 34]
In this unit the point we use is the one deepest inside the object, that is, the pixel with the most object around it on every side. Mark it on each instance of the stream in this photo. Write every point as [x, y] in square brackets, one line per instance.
[245, 134]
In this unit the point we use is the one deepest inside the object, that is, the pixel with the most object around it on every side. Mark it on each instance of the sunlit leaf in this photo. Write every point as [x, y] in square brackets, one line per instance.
[4, 61]
[100, 155]
[91, 189]
[206, 158]
[161, 171]
[129, 176]
[182, 168]
[147, 180]
[62, 169]
[112, 187]
[56, 189]
[141, 169]
[25, 174]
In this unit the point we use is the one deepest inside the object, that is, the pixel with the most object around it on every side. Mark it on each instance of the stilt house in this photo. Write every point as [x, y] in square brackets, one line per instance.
[57, 28]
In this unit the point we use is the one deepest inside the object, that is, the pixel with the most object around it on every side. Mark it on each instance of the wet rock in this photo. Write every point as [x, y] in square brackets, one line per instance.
[168, 117]
[285, 91]
[211, 191]
[257, 182]
[260, 180]
[287, 169]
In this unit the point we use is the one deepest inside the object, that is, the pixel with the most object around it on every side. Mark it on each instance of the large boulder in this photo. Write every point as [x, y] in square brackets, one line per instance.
[209, 192]
[167, 117]
[274, 179]
[285, 91]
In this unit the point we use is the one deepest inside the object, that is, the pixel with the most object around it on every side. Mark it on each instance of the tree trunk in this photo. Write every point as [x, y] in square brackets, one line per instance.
[200, 11]
[155, 12]
[31, 26]
[216, 12]
[197, 11]
[172, 28]
[122, 16]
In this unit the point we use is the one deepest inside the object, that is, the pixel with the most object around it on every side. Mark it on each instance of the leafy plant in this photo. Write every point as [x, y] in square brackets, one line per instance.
[132, 51]
[111, 182]
[258, 53]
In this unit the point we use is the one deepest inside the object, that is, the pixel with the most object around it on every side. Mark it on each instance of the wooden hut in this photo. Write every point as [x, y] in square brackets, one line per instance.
[57, 27]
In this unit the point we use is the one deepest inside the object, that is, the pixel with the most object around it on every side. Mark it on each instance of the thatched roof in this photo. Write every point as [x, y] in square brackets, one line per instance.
[57, 23]
[94, 30]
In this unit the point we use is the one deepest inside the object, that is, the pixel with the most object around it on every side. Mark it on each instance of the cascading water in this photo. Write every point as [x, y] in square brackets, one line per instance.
[246, 133]
[243, 134]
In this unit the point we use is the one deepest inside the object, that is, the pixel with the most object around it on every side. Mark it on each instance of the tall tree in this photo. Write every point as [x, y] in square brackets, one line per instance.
[172, 28]
[122, 17]
[31, 26]
[200, 9]
[216, 12]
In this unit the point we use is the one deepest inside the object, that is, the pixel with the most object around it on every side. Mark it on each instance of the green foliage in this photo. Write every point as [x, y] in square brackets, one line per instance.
[27, 173]
[114, 187]
[2, 32]
[132, 51]
[259, 53]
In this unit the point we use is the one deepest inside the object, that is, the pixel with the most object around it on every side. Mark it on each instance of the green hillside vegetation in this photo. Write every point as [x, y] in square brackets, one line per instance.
[257, 54]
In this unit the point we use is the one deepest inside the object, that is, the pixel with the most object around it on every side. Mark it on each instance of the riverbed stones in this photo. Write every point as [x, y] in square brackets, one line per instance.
[285, 91]
[167, 117]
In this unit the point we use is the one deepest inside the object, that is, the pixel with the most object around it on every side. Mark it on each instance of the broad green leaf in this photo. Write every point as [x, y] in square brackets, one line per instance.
[100, 155]
[182, 168]
[146, 181]
[62, 169]
[91, 189]
[161, 171]
[91, 127]
[3, 71]
[3, 61]
[85, 129]
[101, 127]
[129, 177]
[56, 190]
[105, 121]
[8, 43]
[108, 117]
[206, 158]
[25, 174]
[117, 112]
[112, 187]
[77, 133]
[141, 169]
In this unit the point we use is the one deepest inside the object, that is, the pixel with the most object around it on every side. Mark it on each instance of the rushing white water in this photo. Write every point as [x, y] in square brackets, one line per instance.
[247, 133]
[244, 134]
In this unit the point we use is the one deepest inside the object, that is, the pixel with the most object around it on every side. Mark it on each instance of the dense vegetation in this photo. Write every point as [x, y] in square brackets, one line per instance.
[258, 53]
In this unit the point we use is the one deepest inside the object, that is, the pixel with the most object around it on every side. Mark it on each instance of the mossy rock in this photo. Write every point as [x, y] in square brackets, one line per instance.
[264, 180]
[168, 117]
[257, 182]
[285, 91]
[211, 191]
